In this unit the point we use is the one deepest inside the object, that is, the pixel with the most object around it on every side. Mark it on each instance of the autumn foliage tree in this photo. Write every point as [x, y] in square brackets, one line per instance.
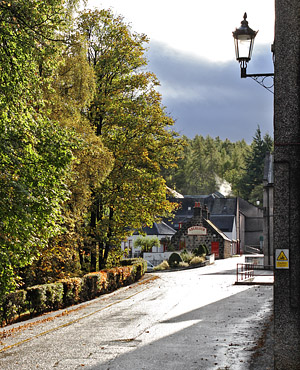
[83, 139]
[128, 116]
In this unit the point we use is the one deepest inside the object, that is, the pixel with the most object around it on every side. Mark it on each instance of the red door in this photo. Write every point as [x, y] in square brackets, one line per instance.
[215, 249]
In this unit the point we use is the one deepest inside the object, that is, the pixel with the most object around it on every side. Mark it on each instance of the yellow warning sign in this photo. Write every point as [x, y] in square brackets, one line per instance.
[282, 258]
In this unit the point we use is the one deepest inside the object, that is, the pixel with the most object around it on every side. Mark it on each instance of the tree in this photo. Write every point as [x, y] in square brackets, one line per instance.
[35, 152]
[72, 91]
[250, 185]
[146, 243]
[128, 115]
[206, 163]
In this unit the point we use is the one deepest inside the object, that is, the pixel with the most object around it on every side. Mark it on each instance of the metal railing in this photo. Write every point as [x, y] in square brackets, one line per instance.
[244, 272]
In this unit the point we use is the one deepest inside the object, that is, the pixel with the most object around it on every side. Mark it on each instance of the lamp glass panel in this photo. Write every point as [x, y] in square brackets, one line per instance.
[244, 48]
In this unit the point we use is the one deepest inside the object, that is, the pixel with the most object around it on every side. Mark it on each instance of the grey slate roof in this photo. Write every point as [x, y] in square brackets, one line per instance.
[159, 229]
[217, 230]
[217, 206]
[223, 222]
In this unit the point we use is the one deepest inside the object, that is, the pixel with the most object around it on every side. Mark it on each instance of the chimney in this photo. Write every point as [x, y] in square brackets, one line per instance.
[205, 212]
[198, 210]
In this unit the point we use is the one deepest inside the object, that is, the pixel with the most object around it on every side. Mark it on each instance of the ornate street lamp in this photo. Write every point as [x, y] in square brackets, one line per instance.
[244, 40]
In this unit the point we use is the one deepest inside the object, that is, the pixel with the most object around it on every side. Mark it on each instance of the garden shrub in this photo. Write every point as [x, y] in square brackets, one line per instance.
[162, 266]
[196, 260]
[41, 298]
[127, 275]
[174, 260]
[186, 256]
[54, 295]
[129, 261]
[93, 285]
[112, 279]
[139, 268]
[37, 298]
[14, 304]
[183, 264]
[201, 250]
[72, 288]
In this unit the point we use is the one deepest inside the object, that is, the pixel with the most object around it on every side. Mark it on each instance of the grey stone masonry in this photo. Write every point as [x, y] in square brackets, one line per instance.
[287, 185]
[201, 218]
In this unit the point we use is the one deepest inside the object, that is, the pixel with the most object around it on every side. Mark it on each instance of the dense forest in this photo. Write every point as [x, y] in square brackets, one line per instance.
[86, 147]
[211, 164]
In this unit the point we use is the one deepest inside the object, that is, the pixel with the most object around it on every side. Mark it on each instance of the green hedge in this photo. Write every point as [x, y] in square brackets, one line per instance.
[48, 297]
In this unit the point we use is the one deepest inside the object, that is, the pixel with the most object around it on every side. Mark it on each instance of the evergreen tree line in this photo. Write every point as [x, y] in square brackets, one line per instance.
[233, 168]
[83, 140]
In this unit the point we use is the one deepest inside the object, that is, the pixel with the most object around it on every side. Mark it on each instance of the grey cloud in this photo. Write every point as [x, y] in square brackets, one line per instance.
[210, 98]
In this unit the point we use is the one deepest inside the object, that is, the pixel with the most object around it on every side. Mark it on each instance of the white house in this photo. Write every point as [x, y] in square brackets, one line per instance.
[160, 230]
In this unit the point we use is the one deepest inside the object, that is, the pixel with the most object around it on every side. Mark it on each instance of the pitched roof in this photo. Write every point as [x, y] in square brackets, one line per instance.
[217, 230]
[223, 222]
[158, 229]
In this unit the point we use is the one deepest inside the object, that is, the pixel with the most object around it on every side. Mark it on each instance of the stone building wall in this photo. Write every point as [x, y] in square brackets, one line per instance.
[201, 218]
[287, 184]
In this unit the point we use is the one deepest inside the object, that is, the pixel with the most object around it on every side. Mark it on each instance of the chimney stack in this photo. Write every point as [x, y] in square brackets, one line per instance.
[205, 212]
[198, 210]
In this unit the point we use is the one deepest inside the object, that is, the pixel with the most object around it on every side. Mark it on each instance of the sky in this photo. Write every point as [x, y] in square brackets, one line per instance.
[191, 51]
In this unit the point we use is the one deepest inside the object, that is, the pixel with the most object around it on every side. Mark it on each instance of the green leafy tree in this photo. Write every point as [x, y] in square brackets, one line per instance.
[128, 116]
[250, 185]
[71, 91]
[146, 243]
[35, 153]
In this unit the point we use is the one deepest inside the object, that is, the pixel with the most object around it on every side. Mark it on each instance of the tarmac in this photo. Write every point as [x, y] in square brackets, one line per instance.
[254, 352]
[263, 356]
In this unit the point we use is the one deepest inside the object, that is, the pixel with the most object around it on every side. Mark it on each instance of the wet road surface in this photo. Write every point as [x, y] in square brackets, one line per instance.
[190, 319]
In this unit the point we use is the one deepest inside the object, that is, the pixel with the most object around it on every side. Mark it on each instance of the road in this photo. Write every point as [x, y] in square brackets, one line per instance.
[191, 319]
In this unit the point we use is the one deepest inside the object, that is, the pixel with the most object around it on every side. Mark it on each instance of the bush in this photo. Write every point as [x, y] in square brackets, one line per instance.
[201, 250]
[14, 305]
[54, 296]
[112, 279]
[42, 298]
[186, 256]
[183, 264]
[127, 275]
[37, 298]
[162, 266]
[72, 288]
[196, 260]
[174, 260]
[93, 285]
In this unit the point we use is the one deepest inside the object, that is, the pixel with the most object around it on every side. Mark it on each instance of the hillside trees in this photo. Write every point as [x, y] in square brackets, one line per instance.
[250, 184]
[128, 116]
[205, 164]
[208, 162]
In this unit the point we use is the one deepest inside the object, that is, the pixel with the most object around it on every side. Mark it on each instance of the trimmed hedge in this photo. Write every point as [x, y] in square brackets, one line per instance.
[48, 297]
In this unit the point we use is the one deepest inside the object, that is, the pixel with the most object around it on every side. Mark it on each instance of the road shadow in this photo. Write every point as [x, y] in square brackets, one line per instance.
[221, 335]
